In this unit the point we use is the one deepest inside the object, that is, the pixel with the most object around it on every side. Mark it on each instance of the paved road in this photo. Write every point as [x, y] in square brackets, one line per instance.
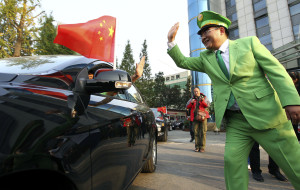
[179, 167]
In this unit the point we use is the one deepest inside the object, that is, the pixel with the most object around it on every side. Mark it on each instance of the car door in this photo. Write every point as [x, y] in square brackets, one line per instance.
[41, 132]
[120, 139]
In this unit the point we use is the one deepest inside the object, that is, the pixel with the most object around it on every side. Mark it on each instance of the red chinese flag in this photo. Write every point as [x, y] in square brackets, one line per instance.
[93, 39]
[162, 109]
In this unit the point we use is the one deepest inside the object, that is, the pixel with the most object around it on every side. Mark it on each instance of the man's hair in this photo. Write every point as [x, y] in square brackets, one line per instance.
[226, 31]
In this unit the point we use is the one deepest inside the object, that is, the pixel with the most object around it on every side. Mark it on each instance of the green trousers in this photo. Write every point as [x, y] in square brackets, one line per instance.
[280, 143]
[200, 129]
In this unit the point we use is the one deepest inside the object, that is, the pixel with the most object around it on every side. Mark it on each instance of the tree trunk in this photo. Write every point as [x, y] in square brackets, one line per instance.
[17, 52]
[20, 29]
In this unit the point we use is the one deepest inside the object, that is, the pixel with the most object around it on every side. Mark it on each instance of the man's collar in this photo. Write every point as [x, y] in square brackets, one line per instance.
[224, 46]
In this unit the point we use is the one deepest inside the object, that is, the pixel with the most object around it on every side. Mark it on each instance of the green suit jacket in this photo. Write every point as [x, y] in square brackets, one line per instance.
[260, 98]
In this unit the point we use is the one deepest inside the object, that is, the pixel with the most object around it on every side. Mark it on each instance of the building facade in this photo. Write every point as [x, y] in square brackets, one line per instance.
[275, 22]
[179, 79]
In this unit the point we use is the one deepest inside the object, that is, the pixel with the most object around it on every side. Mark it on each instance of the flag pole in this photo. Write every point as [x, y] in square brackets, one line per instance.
[115, 56]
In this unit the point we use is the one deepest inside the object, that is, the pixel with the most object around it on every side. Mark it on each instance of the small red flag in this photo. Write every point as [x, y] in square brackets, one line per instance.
[162, 109]
[93, 39]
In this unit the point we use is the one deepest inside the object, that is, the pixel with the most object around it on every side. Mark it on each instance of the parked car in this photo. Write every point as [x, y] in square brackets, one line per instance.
[178, 124]
[61, 129]
[161, 125]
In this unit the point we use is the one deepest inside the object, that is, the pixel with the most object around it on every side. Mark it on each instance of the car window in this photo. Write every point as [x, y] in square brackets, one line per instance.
[157, 114]
[133, 95]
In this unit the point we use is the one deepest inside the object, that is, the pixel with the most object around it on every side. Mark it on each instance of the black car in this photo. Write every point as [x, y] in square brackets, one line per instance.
[161, 123]
[69, 122]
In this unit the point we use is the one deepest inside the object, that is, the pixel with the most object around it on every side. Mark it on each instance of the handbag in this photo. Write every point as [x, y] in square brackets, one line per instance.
[200, 116]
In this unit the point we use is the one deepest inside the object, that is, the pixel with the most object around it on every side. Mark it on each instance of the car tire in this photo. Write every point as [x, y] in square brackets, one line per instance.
[150, 165]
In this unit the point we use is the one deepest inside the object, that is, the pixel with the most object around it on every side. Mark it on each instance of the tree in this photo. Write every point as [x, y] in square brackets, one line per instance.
[159, 89]
[145, 83]
[186, 96]
[17, 26]
[147, 68]
[44, 41]
[174, 97]
[127, 63]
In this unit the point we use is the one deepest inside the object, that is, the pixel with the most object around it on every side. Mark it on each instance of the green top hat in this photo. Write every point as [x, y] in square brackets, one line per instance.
[209, 18]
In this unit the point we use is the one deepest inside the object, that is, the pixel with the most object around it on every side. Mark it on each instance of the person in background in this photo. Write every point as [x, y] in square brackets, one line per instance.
[190, 122]
[200, 128]
[255, 165]
[255, 108]
[295, 77]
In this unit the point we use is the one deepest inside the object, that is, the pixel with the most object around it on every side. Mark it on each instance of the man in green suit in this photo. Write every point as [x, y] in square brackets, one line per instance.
[252, 92]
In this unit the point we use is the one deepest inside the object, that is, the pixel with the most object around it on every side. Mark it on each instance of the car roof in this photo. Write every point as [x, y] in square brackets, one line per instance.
[45, 64]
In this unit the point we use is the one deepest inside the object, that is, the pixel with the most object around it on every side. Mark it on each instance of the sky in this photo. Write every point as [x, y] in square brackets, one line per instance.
[137, 20]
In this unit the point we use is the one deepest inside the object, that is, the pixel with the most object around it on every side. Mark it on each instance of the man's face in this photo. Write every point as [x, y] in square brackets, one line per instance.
[211, 38]
[196, 92]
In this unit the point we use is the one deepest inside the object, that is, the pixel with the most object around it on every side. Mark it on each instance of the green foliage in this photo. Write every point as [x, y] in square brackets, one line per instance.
[17, 26]
[186, 96]
[145, 83]
[159, 90]
[44, 44]
[147, 68]
[127, 63]
[174, 97]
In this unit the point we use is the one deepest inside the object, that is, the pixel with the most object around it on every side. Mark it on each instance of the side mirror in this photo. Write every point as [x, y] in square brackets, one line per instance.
[106, 80]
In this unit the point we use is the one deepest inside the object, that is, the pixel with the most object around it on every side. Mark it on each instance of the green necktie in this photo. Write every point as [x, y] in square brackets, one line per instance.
[225, 71]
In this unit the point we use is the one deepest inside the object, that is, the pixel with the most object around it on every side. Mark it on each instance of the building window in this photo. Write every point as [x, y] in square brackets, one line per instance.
[234, 33]
[177, 76]
[262, 23]
[232, 15]
[295, 17]
[172, 77]
[168, 78]
[230, 3]
[263, 31]
[231, 10]
[259, 5]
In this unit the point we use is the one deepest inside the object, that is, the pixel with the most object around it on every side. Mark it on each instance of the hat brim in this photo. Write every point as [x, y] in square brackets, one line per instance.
[206, 27]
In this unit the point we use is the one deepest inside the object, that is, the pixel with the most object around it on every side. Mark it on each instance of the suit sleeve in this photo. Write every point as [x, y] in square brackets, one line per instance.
[276, 73]
[190, 63]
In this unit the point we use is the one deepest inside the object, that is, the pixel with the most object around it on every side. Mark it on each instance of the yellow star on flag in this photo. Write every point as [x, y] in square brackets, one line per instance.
[111, 31]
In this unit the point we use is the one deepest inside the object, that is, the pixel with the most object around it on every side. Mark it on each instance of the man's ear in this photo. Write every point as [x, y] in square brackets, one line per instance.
[222, 30]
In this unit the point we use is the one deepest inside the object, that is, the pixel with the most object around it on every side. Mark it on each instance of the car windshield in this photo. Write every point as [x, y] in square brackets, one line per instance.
[157, 114]
[40, 64]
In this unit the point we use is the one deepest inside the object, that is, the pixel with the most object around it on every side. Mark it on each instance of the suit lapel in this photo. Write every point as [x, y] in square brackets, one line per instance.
[211, 57]
[233, 54]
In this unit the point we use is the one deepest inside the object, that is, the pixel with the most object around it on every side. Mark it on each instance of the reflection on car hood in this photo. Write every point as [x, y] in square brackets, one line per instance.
[159, 120]
[42, 64]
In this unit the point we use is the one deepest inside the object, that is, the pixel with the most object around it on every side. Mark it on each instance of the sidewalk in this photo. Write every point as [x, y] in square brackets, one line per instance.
[215, 144]
[180, 168]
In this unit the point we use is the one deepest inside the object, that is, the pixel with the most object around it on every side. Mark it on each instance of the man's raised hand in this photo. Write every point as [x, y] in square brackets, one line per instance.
[172, 32]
